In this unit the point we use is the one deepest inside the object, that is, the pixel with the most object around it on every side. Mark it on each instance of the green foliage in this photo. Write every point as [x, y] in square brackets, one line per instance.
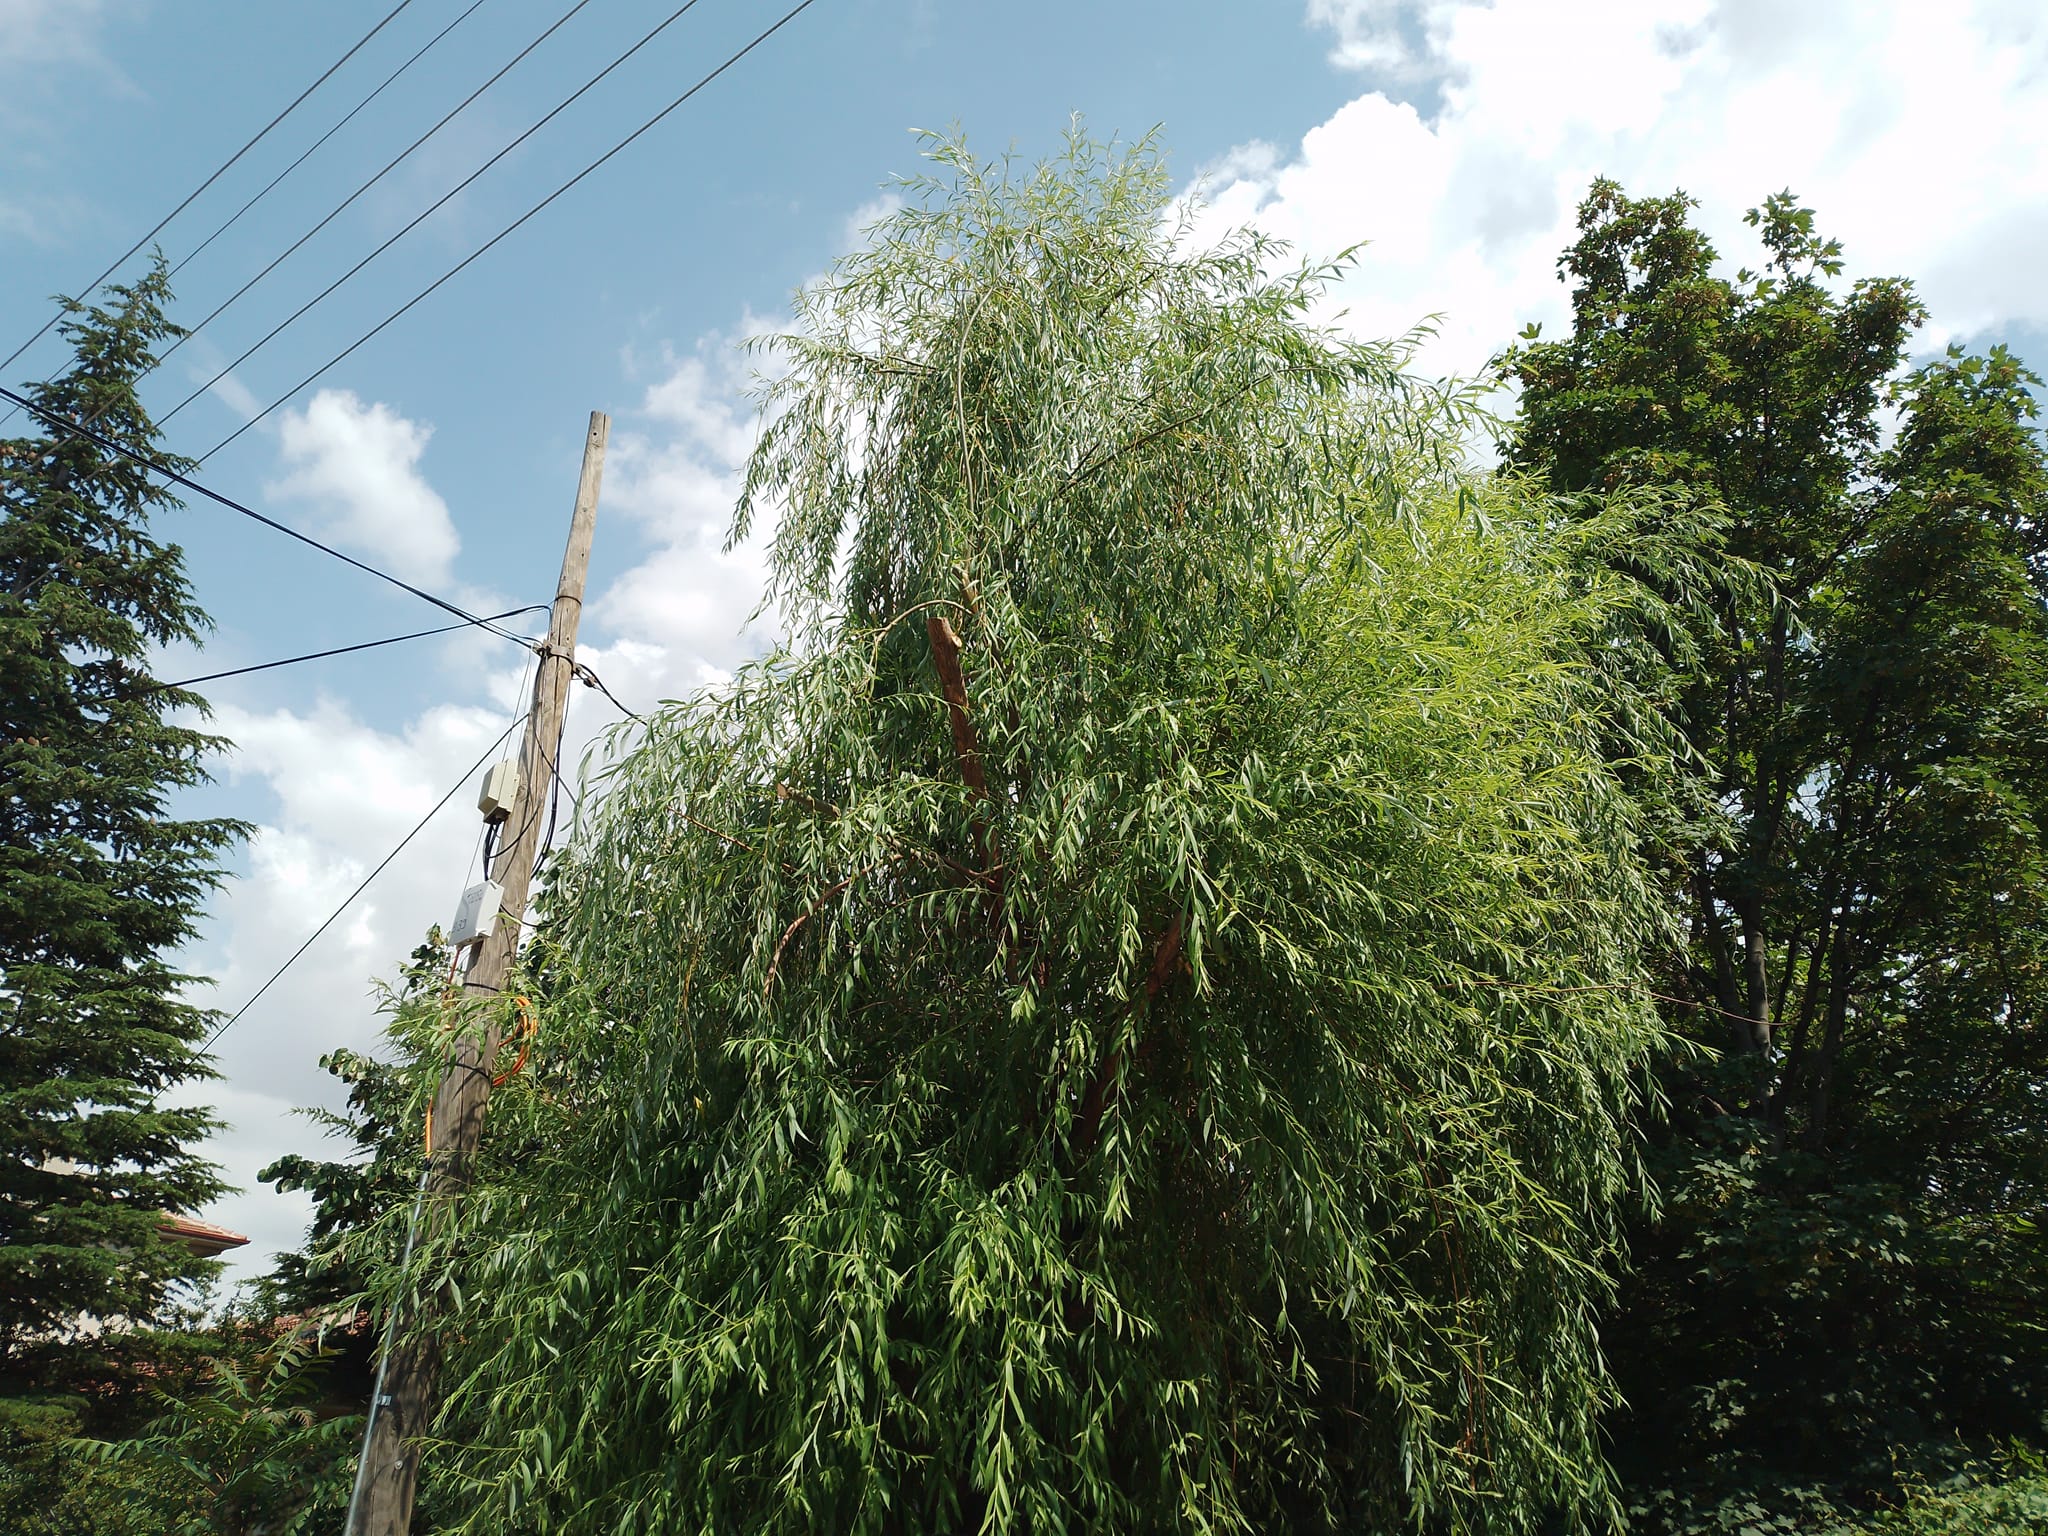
[2008, 1501]
[249, 1455]
[52, 1485]
[2007, 1498]
[345, 1244]
[1131, 1024]
[1844, 1288]
[97, 882]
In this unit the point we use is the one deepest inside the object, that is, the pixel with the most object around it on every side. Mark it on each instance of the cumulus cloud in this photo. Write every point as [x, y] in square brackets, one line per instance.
[860, 224]
[1911, 128]
[682, 614]
[345, 793]
[1857, 108]
[1402, 38]
[357, 465]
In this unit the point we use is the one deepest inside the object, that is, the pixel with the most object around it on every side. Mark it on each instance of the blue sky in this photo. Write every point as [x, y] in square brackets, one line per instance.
[723, 209]
[1455, 136]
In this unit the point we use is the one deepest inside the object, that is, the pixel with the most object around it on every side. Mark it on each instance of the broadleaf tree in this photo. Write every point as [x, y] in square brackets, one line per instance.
[1845, 1284]
[1130, 1022]
[99, 881]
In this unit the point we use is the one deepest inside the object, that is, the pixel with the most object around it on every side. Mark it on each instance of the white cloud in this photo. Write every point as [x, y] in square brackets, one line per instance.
[47, 49]
[237, 396]
[860, 224]
[358, 465]
[682, 613]
[1911, 128]
[1401, 38]
[345, 792]
[1914, 131]
[41, 33]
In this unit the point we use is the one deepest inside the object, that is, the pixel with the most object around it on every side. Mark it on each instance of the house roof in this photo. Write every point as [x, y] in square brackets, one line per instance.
[202, 1237]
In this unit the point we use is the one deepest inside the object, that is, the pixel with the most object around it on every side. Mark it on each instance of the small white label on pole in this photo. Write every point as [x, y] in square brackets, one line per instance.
[479, 910]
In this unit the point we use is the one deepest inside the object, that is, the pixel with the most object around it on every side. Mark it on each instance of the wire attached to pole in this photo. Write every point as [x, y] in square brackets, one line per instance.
[341, 650]
[307, 153]
[349, 201]
[439, 203]
[786, 18]
[349, 900]
[157, 466]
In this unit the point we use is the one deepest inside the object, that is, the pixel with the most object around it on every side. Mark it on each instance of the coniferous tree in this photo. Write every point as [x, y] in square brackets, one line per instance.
[99, 883]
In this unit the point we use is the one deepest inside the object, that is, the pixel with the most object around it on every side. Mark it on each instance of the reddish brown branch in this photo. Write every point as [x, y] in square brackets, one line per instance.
[953, 682]
[967, 748]
[1102, 1091]
[775, 961]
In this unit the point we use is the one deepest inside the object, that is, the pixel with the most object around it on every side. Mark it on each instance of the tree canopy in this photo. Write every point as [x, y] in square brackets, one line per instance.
[1131, 1022]
[1847, 1281]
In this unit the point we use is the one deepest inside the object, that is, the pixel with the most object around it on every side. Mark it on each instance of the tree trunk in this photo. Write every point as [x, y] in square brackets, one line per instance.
[1756, 975]
[1716, 936]
[1829, 1056]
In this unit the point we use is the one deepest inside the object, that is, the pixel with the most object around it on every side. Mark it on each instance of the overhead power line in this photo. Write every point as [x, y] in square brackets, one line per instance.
[349, 900]
[93, 286]
[590, 679]
[349, 202]
[307, 153]
[759, 38]
[439, 203]
[157, 466]
[340, 650]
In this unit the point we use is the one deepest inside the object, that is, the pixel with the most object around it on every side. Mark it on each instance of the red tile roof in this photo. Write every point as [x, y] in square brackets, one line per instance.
[203, 1237]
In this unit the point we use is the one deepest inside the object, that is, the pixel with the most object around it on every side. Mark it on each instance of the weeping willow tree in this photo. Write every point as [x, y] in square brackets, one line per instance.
[1128, 1023]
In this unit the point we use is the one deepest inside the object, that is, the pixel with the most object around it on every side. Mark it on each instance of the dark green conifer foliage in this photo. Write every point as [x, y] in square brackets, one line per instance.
[1848, 1274]
[98, 882]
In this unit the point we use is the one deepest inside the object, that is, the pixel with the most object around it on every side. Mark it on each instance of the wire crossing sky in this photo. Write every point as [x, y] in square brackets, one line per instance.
[261, 134]
[425, 417]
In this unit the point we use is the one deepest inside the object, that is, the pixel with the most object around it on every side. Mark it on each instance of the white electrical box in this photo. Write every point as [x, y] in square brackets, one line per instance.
[500, 787]
[478, 912]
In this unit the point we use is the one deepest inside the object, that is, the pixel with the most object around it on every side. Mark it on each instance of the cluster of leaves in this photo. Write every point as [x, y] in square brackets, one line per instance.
[1132, 1023]
[221, 1430]
[1844, 1286]
[249, 1452]
[1140, 1018]
[2006, 1497]
[380, 1167]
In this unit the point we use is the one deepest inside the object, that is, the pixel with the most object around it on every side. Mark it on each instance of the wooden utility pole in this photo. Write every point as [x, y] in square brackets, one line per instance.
[403, 1407]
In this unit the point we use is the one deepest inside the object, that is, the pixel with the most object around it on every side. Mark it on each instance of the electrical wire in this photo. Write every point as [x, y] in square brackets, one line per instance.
[349, 900]
[434, 208]
[590, 679]
[555, 774]
[93, 286]
[421, 52]
[523, 691]
[412, 1232]
[157, 466]
[760, 38]
[340, 650]
[349, 201]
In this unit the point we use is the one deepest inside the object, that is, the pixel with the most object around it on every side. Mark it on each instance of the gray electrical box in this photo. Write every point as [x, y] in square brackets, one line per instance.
[499, 789]
[478, 912]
